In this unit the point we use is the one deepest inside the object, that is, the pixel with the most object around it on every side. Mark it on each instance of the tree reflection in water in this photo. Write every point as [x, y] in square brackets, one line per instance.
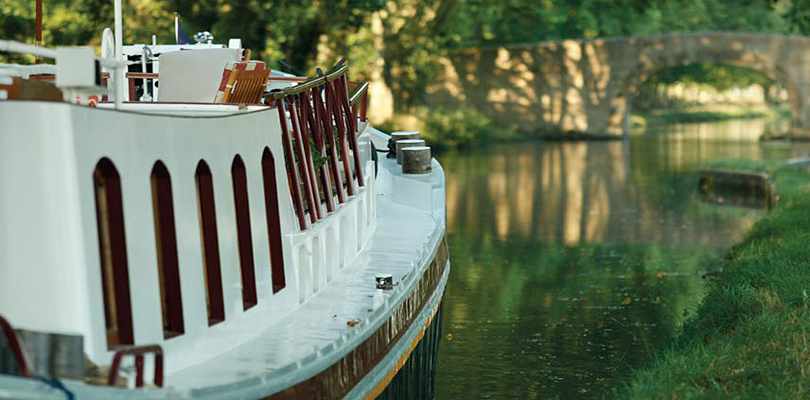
[572, 262]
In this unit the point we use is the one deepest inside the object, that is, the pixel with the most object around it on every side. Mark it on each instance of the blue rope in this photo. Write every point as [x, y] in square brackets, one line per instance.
[56, 384]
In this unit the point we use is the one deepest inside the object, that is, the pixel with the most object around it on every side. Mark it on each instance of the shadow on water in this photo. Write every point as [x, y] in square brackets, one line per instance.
[573, 262]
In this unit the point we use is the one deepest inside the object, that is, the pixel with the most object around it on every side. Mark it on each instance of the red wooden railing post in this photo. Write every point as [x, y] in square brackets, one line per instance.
[138, 352]
[344, 98]
[16, 349]
[292, 172]
[364, 107]
[302, 161]
[314, 124]
[309, 165]
[314, 118]
[159, 369]
[303, 122]
[132, 90]
[334, 103]
[326, 123]
[139, 370]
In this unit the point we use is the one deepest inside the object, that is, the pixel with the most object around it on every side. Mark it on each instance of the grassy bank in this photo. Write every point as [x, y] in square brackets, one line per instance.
[750, 336]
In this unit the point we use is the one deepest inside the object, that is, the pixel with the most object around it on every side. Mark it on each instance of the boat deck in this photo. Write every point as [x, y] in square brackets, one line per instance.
[319, 332]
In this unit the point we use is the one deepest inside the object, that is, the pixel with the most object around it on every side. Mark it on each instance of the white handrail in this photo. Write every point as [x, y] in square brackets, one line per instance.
[10, 46]
[25, 71]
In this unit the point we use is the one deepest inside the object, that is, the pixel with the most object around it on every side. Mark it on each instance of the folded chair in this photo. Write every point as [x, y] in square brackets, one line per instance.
[9, 88]
[243, 82]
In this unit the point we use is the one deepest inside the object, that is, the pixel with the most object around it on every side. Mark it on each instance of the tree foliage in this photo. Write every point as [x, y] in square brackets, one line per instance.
[719, 76]
[409, 34]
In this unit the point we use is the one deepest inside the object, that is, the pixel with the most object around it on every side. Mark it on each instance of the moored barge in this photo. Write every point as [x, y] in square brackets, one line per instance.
[253, 246]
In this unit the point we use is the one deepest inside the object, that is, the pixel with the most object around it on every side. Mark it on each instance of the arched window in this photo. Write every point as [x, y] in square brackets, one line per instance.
[243, 235]
[113, 252]
[210, 244]
[273, 223]
[171, 303]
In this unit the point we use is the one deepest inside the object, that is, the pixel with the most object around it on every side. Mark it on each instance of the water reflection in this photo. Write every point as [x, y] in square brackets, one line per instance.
[579, 192]
[573, 261]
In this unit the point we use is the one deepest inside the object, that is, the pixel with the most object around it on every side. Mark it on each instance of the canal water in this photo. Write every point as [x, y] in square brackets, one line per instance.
[573, 262]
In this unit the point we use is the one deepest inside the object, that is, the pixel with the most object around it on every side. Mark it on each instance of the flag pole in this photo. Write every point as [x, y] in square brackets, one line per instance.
[39, 27]
[119, 55]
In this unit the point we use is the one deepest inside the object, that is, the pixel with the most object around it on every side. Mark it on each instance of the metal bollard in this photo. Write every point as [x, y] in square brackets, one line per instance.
[400, 135]
[405, 143]
[416, 160]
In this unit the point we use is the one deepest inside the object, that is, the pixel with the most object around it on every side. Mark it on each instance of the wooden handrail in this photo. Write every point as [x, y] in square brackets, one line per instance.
[14, 342]
[310, 83]
[149, 75]
[352, 85]
[138, 352]
[299, 88]
[141, 75]
[332, 76]
[358, 93]
[287, 79]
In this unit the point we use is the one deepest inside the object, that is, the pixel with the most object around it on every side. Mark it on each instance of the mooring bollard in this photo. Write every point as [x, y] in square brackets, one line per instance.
[384, 281]
[401, 135]
[416, 160]
[405, 143]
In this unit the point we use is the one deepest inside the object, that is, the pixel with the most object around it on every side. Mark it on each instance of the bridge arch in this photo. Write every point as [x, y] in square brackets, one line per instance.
[741, 50]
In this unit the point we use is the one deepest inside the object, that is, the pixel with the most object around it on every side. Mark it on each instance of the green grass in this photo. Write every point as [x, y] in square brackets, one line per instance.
[750, 336]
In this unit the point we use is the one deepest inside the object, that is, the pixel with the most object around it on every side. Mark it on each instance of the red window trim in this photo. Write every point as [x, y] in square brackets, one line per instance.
[166, 246]
[273, 221]
[243, 233]
[209, 239]
[113, 254]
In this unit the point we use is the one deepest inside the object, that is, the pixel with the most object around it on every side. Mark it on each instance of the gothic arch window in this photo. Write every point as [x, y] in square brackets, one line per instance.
[113, 254]
[243, 232]
[171, 302]
[273, 223]
[210, 244]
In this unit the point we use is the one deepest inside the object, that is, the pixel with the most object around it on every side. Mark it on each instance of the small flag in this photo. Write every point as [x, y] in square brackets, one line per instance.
[179, 33]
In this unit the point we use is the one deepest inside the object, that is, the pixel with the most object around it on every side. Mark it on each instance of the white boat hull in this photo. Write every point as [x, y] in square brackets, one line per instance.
[316, 336]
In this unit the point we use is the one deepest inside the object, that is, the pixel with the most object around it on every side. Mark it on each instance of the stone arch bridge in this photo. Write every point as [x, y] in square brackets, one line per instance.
[587, 86]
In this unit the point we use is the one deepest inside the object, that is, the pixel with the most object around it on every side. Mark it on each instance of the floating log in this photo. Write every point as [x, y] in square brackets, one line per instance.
[738, 188]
